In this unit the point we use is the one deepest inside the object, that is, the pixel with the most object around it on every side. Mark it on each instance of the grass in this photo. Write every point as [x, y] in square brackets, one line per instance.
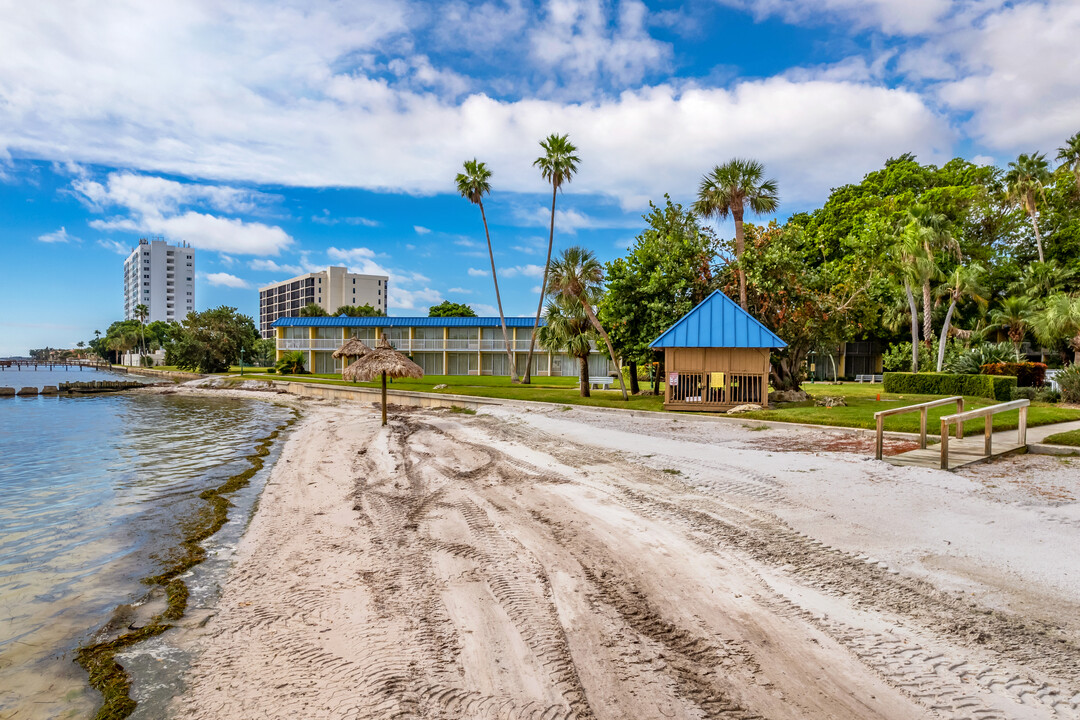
[1071, 438]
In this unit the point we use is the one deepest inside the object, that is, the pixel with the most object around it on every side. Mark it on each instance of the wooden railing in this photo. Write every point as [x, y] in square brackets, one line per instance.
[717, 388]
[988, 429]
[922, 409]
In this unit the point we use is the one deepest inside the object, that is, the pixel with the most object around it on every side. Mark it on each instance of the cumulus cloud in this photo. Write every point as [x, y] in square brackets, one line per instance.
[477, 272]
[326, 219]
[222, 279]
[58, 236]
[117, 247]
[533, 271]
[271, 266]
[420, 229]
[905, 17]
[568, 220]
[460, 291]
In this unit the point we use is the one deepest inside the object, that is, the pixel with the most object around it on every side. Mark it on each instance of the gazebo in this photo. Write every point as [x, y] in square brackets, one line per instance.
[716, 357]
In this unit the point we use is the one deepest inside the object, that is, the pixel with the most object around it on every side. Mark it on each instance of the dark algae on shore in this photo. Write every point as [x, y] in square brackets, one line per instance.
[108, 676]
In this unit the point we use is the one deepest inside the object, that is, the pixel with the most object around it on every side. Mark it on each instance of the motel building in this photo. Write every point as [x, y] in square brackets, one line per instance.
[440, 345]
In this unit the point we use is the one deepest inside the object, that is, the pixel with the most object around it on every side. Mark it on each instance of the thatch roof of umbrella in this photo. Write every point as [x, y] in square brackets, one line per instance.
[383, 361]
[352, 348]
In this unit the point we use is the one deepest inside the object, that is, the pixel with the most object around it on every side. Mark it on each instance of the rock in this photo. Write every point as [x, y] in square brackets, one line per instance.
[830, 401]
[7, 392]
[28, 391]
[787, 396]
[440, 386]
[743, 408]
[49, 390]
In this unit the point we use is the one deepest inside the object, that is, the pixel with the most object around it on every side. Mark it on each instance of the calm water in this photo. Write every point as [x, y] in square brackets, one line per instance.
[90, 489]
[42, 377]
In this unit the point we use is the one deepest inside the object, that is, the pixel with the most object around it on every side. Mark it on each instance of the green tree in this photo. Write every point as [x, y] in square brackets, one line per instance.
[667, 271]
[934, 233]
[568, 329]
[964, 282]
[732, 189]
[210, 341]
[1069, 154]
[1058, 322]
[473, 185]
[142, 313]
[365, 310]
[558, 165]
[263, 352]
[313, 310]
[1027, 179]
[451, 309]
[1014, 316]
[577, 274]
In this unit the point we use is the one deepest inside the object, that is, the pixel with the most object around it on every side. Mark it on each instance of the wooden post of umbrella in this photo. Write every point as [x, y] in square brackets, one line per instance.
[383, 361]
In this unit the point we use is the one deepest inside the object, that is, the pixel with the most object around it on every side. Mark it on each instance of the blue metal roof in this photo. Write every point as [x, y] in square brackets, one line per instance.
[383, 322]
[718, 321]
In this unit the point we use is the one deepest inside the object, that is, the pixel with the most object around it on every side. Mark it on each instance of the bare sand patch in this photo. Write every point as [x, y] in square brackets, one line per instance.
[541, 564]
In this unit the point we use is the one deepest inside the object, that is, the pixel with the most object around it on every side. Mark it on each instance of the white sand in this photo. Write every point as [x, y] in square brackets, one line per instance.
[549, 563]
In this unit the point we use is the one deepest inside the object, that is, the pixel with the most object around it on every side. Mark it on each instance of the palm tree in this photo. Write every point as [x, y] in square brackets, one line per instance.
[963, 282]
[569, 330]
[1014, 315]
[934, 232]
[729, 190]
[313, 310]
[142, 312]
[578, 274]
[474, 184]
[557, 166]
[1042, 279]
[916, 267]
[1059, 319]
[1070, 156]
[123, 342]
[1027, 179]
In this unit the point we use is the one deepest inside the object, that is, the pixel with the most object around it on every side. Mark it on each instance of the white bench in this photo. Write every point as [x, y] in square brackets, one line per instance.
[604, 382]
[869, 378]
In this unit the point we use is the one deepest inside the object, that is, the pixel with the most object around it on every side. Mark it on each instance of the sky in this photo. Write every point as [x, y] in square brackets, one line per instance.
[281, 137]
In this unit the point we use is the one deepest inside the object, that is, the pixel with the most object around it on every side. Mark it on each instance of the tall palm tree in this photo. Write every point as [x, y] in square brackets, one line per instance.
[578, 274]
[934, 233]
[1042, 279]
[1014, 315]
[1070, 156]
[569, 330]
[963, 282]
[1059, 320]
[557, 166]
[142, 313]
[916, 269]
[473, 185]
[731, 189]
[1025, 181]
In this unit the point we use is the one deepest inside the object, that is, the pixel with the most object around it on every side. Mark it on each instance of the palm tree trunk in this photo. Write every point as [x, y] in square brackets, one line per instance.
[498, 299]
[927, 317]
[583, 376]
[945, 335]
[914, 327]
[543, 289]
[634, 387]
[1038, 237]
[740, 246]
[607, 341]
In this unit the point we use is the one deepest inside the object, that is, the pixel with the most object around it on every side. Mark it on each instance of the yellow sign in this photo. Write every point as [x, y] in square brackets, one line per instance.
[716, 379]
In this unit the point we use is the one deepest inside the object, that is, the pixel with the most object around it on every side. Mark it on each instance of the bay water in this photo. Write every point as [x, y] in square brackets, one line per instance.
[92, 493]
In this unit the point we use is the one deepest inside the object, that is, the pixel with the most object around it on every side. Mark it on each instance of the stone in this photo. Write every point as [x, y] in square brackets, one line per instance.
[440, 386]
[49, 390]
[7, 392]
[787, 396]
[831, 401]
[743, 408]
[28, 391]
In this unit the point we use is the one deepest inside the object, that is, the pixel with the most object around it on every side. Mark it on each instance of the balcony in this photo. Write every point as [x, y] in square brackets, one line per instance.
[415, 345]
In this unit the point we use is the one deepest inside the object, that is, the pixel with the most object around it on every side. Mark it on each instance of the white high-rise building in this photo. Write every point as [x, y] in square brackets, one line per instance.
[162, 277]
[329, 289]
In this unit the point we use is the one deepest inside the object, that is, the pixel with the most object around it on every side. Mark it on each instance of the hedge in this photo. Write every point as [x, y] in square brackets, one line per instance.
[998, 387]
[1028, 374]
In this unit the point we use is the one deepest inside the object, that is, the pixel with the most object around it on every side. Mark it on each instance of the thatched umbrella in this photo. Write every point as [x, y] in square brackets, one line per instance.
[352, 348]
[383, 360]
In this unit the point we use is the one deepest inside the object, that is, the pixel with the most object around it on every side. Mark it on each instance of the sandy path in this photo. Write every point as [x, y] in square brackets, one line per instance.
[568, 565]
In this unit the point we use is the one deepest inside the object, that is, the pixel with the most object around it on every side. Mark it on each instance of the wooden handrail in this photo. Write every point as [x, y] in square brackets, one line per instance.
[988, 429]
[921, 408]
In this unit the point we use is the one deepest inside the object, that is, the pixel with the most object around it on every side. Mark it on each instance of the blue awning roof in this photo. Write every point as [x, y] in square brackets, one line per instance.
[719, 322]
[384, 322]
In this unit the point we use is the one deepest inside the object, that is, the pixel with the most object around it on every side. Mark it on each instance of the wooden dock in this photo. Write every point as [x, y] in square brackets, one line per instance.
[968, 451]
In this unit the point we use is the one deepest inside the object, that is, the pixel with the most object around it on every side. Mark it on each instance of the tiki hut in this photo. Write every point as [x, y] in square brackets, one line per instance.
[382, 361]
[352, 348]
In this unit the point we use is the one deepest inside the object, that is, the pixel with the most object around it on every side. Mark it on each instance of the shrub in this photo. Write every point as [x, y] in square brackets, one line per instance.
[1047, 395]
[1023, 393]
[1069, 381]
[292, 363]
[1027, 374]
[271, 370]
[970, 362]
[998, 387]
[898, 356]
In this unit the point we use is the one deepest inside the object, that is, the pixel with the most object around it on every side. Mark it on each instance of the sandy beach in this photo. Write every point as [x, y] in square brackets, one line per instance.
[575, 563]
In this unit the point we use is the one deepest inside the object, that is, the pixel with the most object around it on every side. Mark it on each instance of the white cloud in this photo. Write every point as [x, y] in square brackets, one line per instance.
[326, 219]
[114, 246]
[156, 205]
[484, 310]
[533, 271]
[222, 279]
[403, 299]
[58, 236]
[477, 272]
[904, 17]
[271, 266]
[466, 242]
[568, 220]
[270, 93]
[460, 291]
[535, 289]
[421, 230]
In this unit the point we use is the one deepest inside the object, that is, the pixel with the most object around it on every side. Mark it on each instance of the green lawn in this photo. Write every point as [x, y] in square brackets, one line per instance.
[1071, 438]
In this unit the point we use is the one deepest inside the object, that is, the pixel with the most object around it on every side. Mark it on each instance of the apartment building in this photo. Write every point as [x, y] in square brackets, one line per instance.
[162, 277]
[441, 346]
[329, 289]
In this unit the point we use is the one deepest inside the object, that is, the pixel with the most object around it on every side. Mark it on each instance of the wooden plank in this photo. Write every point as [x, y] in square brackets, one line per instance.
[961, 453]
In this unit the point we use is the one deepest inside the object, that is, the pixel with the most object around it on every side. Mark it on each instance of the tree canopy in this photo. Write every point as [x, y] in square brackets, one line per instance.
[210, 341]
[451, 309]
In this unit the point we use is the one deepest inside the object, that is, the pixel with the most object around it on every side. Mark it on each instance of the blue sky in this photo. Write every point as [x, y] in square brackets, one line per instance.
[284, 136]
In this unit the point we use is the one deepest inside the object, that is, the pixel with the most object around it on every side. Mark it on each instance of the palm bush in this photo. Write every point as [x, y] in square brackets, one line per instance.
[1069, 382]
[292, 363]
[970, 362]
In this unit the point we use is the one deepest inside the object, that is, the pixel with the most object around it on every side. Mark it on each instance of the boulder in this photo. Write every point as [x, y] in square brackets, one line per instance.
[7, 392]
[787, 396]
[28, 391]
[743, 408]
[831, 401]
[50, 390]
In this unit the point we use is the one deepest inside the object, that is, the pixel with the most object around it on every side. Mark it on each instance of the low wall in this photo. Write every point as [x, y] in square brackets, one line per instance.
[407, 398]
